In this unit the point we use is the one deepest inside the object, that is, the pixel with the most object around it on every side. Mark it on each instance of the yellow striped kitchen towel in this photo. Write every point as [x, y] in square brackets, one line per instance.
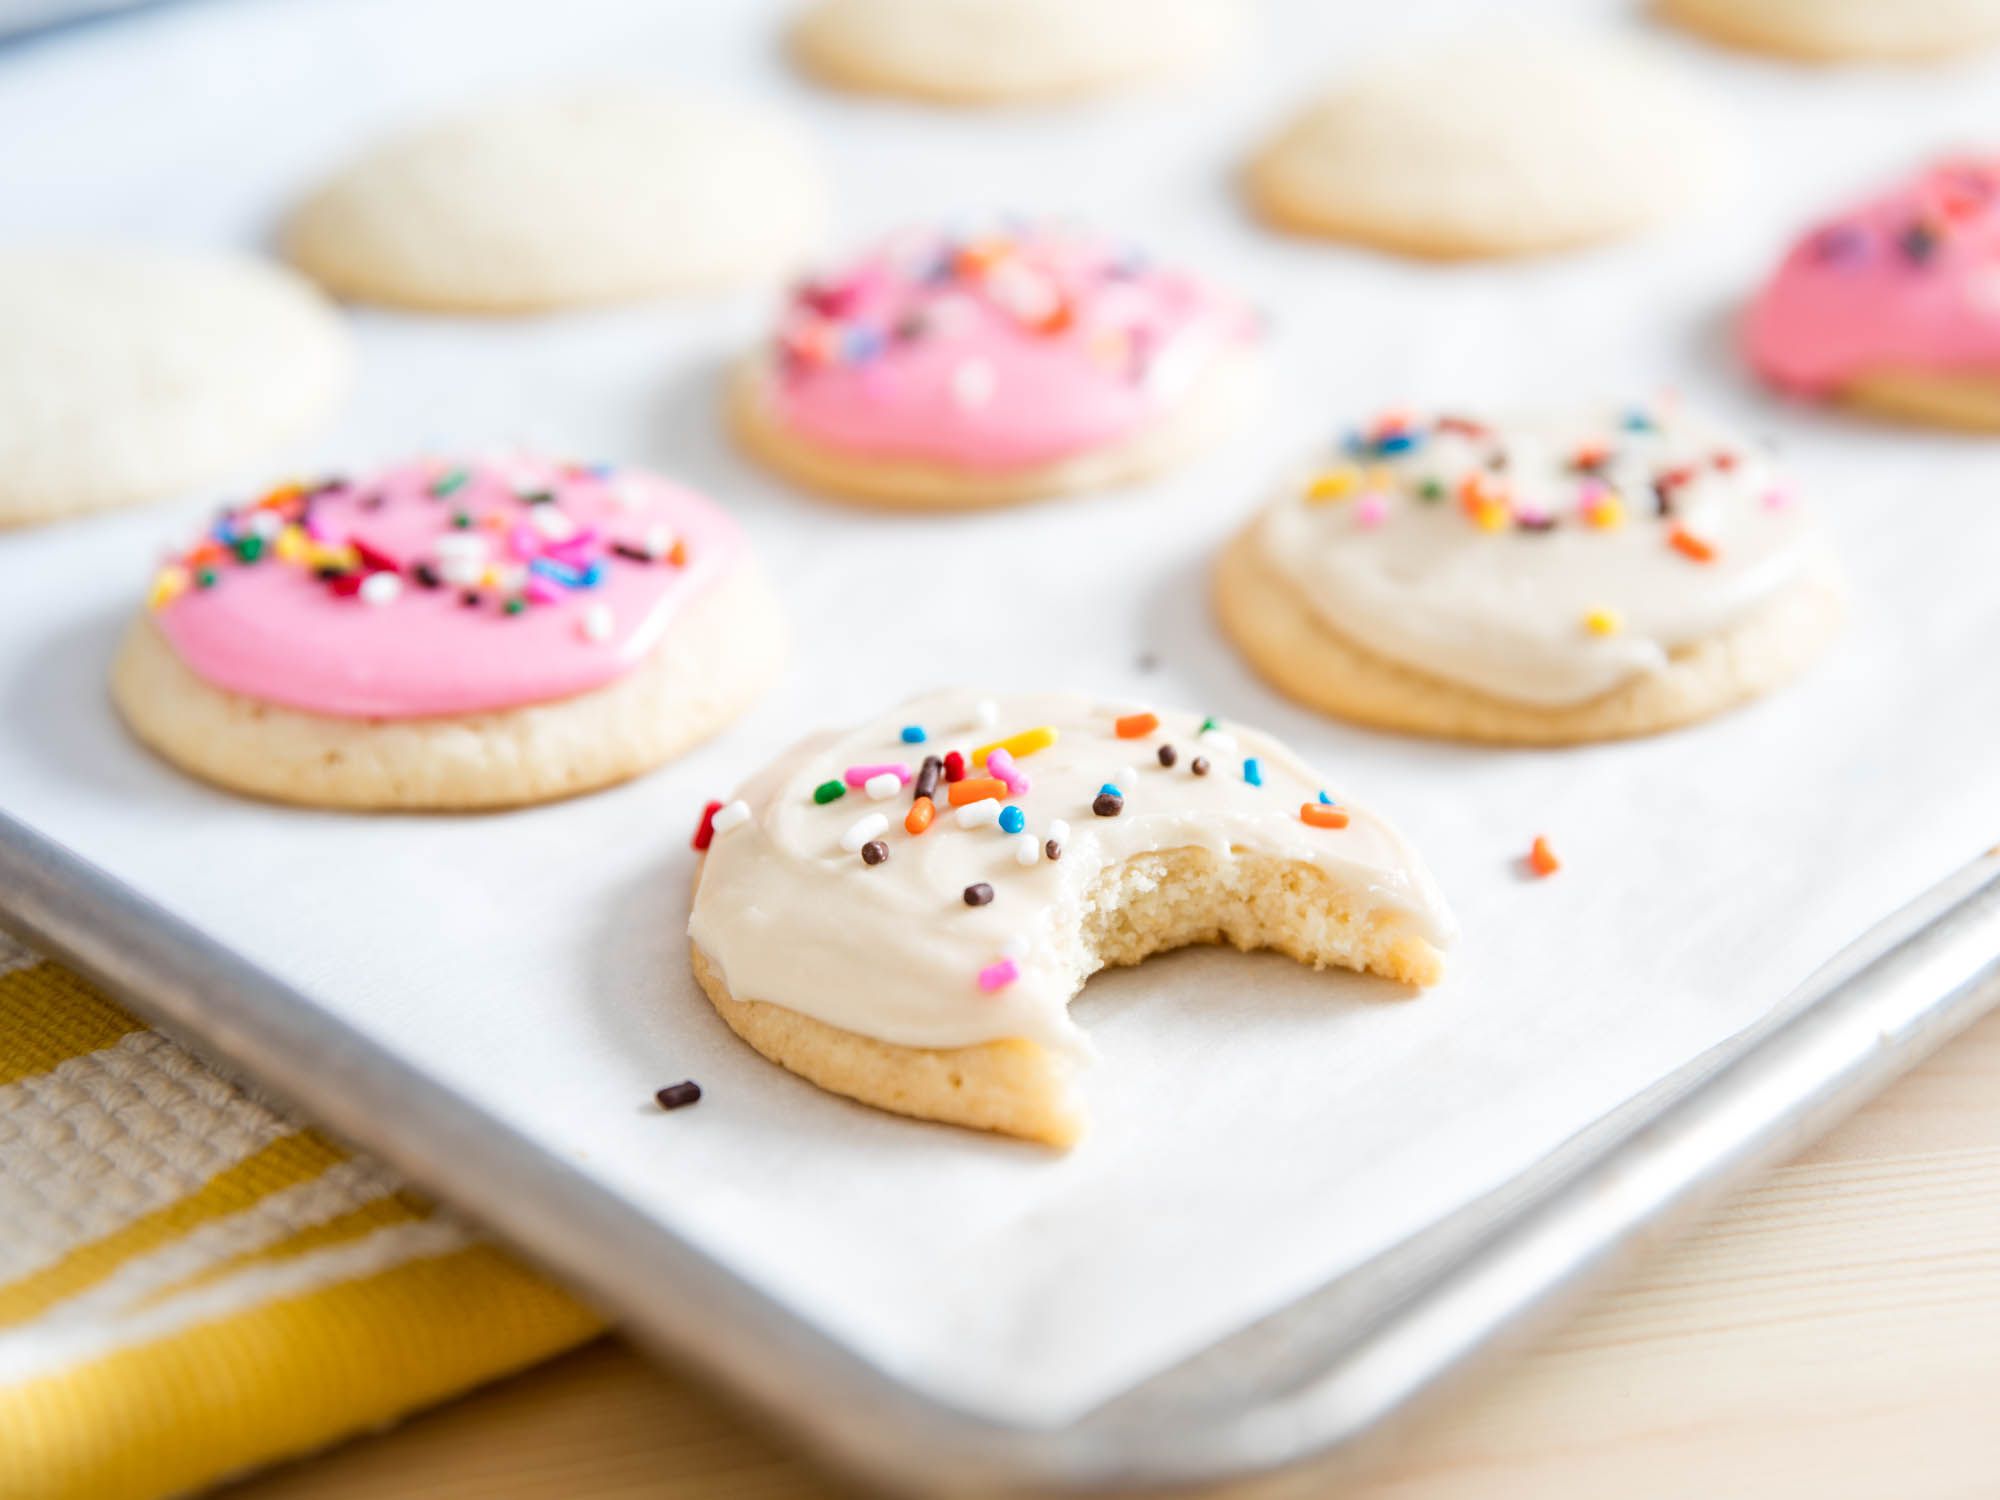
[193, 1284]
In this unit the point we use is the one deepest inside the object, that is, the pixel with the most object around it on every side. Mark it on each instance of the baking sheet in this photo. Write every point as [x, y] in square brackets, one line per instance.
[1259, 1129]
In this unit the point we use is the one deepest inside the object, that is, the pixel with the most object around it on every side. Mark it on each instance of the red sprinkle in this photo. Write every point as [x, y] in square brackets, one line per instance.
[374, 558]
[954, 766]
[704, 833]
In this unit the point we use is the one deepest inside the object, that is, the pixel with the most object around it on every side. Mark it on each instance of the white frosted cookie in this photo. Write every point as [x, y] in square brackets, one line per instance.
[1547, 580]
[1844, 30]
[1491, 145]
[902, 912]
[134, 375]
[1004, 51]
[450, 636]
[551, 200]
[943, 370]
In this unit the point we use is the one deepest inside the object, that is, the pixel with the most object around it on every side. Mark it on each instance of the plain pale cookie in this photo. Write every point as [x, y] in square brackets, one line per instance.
[381, 645]
[946, 371]
[1536, 584]
[558, 200]
[128, 376]
[1008, 51]
[1843, 30]
[913, 941]
[1503, 145]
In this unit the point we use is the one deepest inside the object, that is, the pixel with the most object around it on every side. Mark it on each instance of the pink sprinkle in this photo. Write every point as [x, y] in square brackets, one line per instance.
[541, 590]
[1779, 499]
[1591, 493]
[861, 775]
[997, 976]
[524, 542]
[316, 527]
[1000, 763]
[573, 550]
[1371, 511]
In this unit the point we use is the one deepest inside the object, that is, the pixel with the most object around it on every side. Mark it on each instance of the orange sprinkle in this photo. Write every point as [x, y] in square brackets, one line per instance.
[1132, 726]
[1691, 546]
[1321, 815]
[973, 788]
[678, 555]
[207, 550]
[920, 814]
[1542, 859]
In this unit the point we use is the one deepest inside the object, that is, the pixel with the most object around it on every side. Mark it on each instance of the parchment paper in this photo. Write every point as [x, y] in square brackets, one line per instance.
[1259, 1128]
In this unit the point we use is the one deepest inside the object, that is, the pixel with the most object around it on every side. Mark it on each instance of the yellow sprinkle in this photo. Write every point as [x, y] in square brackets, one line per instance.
[1603, 622]
[1027, 742]
[1381, 477]
[1333, 484]
[168, 585]
[292, 545]
[1492, 515]
[1608, 514]
[320, 555]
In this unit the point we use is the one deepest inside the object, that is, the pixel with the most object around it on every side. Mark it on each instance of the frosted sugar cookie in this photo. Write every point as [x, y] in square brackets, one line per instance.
[450, 635]
[1539, 581]
[1007, 51]
[133, 375]
[938, 371]
[1895, 305]
[555, 200]
[1498, 145]
[902, 912]
[1844, 30]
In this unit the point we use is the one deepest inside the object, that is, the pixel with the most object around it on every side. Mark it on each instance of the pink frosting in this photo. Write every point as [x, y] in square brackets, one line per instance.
[995, 352]
[1909, 280]
[441, 588]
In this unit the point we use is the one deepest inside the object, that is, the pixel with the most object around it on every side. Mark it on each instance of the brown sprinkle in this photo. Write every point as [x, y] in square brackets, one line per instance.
[1052, 849]
[979, 894]
[1108, 805]
[679, 1095]
[1168, 755]
[1199, 765]
[874, 852]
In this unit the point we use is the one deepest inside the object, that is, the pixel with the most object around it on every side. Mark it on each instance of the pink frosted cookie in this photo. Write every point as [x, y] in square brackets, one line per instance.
[1894, 305]
[445, 635]
[938, 371]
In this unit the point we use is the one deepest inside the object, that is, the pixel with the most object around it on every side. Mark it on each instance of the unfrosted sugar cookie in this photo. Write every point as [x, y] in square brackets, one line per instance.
[1008, 51]
[902, 912]
[555, 200]
[940, 371]
[448, 635]
[1547, 580]
[1499, 145]
[1895, 305]
[1844, 30]
[134, 375]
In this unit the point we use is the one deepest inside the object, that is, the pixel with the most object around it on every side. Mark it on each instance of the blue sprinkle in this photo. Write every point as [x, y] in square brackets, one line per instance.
[913, 734]
[1326, 799]
[592, 576]
[1108, 787]
[1252, 772]
[1396, 442]
[1012, 819]
[1638, 421]
[568, 577]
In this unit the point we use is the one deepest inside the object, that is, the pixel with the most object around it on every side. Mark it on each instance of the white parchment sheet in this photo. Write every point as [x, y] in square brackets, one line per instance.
[1259, 1128]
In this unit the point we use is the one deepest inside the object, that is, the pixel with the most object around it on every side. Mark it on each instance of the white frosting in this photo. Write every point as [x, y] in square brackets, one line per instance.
[790, 914]
[1401, 564]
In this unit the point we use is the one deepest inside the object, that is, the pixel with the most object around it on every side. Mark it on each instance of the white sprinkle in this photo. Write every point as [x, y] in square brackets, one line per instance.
[885, 785]
[549, 519]
[460, 544]
[381, 588]
[597, 622]
[972, 383]
[1215, 739]
[266, 523]
[730, 815]
[1059, 831]
[978, 814]
[628, 491]
[1015, 946]
[1127, 776]
[659, 540]
[463, 572]
[862, 830]
[1027, 848]
[985, 713]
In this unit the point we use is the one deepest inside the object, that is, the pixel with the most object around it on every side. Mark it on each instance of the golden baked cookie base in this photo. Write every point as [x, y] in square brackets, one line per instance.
[1148, 904]
[1211, 410]
[1297, 653]
[1967, 403]
[1816, 32]
[724, 650]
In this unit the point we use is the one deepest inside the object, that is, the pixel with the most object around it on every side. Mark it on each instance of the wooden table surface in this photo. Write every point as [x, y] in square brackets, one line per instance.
[1833, 1332]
